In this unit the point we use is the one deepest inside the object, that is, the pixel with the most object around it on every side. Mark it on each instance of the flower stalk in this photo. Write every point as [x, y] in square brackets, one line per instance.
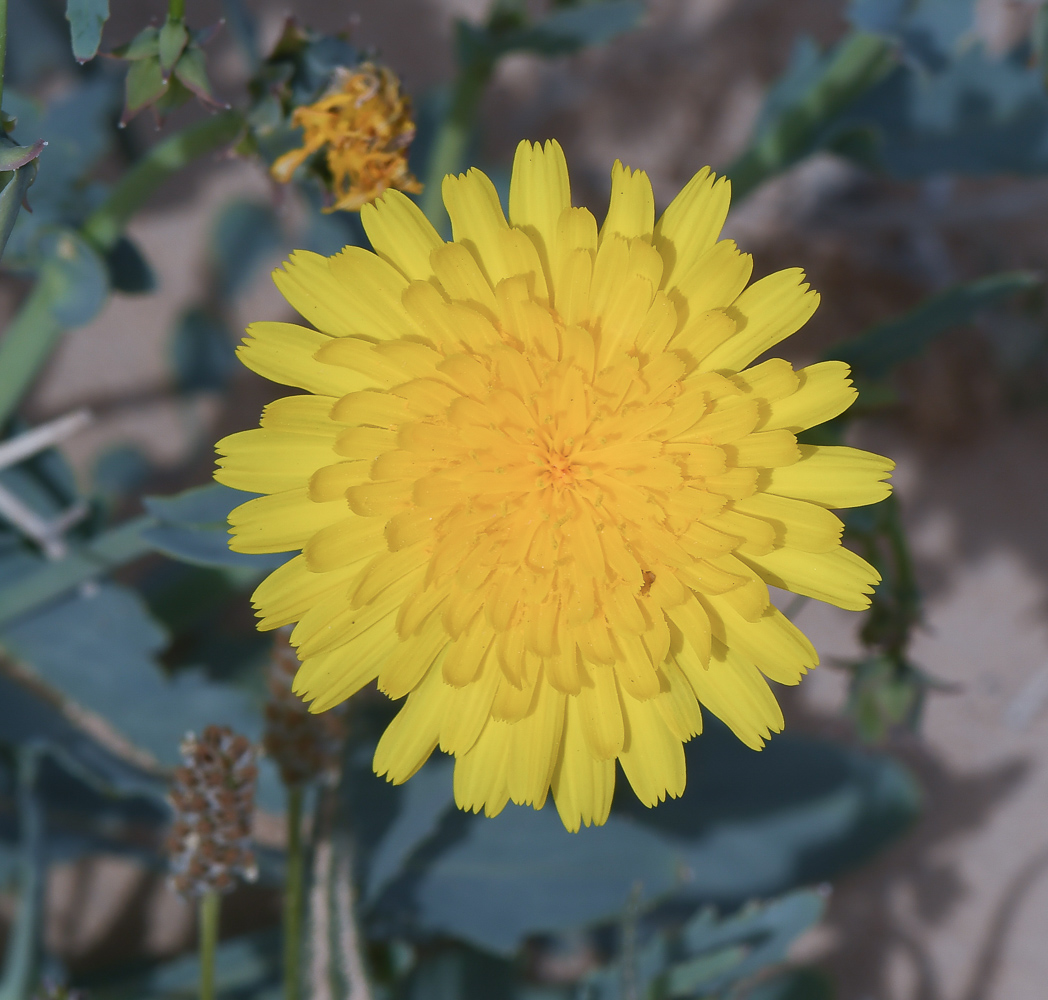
[293, 895]
[210, 906]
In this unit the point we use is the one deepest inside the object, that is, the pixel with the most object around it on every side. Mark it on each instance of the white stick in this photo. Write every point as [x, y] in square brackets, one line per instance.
[43, 437]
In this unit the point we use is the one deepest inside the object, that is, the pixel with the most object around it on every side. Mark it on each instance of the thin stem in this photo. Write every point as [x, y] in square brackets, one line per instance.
[210, 904]
[34, 332]
[23, 944]
[176, 10]
[104, 226]
[28, 342]
[3, 46]
[293, 896]
[452, 139]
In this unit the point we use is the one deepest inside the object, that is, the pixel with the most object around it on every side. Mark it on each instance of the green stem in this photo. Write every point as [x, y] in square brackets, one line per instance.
[3, 46]
[104, 226]
[176, 10]
[28, 342]
[452, 139]
[34, 332]
[293, 895]
[210, 903]
[107, 551]
[23, 944]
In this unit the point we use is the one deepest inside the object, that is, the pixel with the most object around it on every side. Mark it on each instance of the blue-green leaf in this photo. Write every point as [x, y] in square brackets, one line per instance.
[245, 233]
[589, 24]
[873, 354]
[76, 276]
[201, 505]
[749, 825]
[193, 528]
[98, 649]
[86, 20]
[129, 271]
[202, 352]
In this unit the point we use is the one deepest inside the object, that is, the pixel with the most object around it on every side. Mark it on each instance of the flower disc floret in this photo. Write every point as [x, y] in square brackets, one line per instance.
[538, 491]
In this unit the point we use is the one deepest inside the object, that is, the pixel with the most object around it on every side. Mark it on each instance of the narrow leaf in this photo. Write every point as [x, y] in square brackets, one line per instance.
[145, 84]
[86, 19]
[172, 40]
[874, 353]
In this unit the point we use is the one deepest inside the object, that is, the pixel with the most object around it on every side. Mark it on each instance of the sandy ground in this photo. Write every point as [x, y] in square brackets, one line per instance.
[959, 909]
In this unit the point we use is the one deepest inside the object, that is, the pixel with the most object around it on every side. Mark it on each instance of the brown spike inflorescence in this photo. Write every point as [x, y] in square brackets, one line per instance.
[303, 745]
[213, 797]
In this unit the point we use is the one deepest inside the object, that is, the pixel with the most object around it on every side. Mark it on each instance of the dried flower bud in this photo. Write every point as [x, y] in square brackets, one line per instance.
[363, 127]
[303, 745]
[213, 795]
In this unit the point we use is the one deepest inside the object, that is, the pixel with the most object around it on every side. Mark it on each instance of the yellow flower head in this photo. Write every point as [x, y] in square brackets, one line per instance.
[365, 124]
[538, 491]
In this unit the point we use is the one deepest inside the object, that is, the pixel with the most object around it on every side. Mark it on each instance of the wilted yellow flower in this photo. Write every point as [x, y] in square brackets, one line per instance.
[537, 489]
[365, 125]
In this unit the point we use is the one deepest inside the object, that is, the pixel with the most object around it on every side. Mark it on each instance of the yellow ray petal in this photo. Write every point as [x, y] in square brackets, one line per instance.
[268, 461]
[632, 209]
[477, 219]
[652, 758]
[539, 191]
[600, 713]
[838, 577]
[771, 309]
[280, 522]
[401, 234]
[535, 747]
[481, 776]
[582, 786]
[735, 692]
[284, 352]
[412, 735]
[692, 222]
[825, 391]
[833, 476]
[797, 523]
[773, 643]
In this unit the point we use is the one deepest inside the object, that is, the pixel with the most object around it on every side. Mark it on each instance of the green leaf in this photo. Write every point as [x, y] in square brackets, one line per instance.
[244, 235]
[575, 28]
[129, 271]
[711, 954]
[146, 84]
[13, 157]
[458, 973]
[144, 45]
[797, 984]
[873, 354]
[172, 40]
[86, 19]
[11, 199]
[77, 282]
[77, 279]
[247, 966]
[202, 352]
[192, 527]
[200, 506]
[98, 650]
[801, 110]
[749, 825]
[192, 73]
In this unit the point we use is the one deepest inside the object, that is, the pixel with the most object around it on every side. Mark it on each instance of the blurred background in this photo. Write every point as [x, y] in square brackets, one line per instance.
[897, 150]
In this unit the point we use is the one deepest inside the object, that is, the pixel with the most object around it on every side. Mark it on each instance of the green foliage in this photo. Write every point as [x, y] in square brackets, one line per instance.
[86, 20]
[799, 812]
[880, 349]
[802, 111]
[710, 956]
[100, 679]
